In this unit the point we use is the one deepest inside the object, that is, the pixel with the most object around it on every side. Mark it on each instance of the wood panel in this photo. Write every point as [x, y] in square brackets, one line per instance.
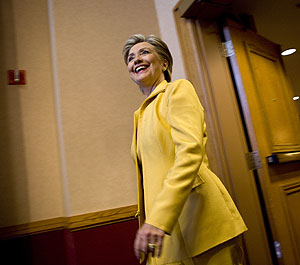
[275, 99]
[291, 195]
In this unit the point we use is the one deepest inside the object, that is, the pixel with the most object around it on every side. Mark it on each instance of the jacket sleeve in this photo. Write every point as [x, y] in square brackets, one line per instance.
[186, 119]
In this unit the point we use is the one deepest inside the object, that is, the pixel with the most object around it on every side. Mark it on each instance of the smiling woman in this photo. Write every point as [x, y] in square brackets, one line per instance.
[152, 45]
[186, 216]
[145, 67]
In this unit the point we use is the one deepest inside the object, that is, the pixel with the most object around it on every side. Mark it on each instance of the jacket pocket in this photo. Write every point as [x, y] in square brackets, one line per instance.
[198, 181]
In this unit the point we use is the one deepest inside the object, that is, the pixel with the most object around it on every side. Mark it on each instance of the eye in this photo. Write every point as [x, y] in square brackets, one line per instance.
[145, 52]
[130, 58]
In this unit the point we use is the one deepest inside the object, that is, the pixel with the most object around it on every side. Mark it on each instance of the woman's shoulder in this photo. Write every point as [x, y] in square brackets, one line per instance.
[179, 85]
[182, 90]
[180, 82]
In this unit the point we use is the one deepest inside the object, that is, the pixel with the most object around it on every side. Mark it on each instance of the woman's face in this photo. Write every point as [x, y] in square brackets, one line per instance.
[145, 66]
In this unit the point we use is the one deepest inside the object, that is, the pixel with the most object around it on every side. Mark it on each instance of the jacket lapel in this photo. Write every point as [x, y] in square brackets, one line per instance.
[160, 88]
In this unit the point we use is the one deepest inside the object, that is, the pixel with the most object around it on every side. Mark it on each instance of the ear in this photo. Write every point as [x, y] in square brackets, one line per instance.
[165, 65]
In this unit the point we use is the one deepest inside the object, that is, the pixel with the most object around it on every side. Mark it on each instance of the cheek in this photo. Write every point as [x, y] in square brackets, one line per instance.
[129, 68]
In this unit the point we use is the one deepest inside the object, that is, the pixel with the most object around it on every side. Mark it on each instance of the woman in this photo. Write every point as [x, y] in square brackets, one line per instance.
[186, 215]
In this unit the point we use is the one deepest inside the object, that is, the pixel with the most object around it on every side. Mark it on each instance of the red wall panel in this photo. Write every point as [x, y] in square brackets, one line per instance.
[104, 245]
[40, 249]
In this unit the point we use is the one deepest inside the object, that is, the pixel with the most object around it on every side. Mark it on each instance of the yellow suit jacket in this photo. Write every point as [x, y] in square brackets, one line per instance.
[177, 192]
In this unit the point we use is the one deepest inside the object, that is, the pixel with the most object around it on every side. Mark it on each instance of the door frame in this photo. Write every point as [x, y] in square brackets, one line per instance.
[208, 70]
[258, 173]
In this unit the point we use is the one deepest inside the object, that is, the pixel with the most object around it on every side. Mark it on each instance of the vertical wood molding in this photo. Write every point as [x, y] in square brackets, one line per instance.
[196, 70]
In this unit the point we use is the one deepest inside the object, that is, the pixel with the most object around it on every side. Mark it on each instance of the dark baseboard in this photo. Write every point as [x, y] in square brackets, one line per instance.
[93, 239]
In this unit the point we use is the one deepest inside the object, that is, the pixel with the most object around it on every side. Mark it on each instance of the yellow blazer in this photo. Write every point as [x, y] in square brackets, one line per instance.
[176, 190]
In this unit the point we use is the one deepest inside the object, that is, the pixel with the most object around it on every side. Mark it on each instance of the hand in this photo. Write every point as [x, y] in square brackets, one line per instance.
[148, 234]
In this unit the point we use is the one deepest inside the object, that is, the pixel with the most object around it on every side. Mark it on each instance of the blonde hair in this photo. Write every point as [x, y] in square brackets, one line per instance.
[160, 47]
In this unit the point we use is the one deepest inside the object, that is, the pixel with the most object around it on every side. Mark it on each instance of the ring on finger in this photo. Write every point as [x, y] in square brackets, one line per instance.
[151, 246]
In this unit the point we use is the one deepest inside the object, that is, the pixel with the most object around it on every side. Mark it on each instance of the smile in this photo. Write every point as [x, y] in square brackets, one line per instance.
[140, 68]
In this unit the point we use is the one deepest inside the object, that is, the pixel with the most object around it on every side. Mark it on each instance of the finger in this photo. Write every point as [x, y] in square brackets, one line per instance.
[141, 242]
[152, 246]
[144, 242]
[151, 249]
[159, 245]
[136, 249]
[137, 243]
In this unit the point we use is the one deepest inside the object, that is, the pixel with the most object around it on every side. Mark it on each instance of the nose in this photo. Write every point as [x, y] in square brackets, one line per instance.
[137, 59]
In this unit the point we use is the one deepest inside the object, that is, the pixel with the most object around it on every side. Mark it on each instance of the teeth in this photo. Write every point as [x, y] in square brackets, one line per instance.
[139, 68]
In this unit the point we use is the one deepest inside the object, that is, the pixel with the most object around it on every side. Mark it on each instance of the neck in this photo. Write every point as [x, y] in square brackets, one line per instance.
[147, 90]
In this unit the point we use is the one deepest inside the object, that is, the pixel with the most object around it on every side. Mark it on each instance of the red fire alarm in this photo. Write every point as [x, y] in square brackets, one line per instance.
[16, 77]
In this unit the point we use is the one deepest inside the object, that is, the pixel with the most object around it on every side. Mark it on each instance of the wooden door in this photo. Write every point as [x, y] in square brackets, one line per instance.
[273, 128]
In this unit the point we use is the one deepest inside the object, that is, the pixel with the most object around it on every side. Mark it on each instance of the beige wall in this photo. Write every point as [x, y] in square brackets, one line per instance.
[30, 186]
[65, 136]
[98, 98]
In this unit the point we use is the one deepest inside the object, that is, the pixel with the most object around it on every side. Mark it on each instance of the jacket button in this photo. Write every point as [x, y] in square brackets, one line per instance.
[138, 213]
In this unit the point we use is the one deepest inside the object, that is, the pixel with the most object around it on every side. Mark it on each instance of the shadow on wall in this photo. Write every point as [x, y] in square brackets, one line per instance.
[14, 202]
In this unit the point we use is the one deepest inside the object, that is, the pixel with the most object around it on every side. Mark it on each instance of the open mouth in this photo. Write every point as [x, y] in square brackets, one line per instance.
[140, 68]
